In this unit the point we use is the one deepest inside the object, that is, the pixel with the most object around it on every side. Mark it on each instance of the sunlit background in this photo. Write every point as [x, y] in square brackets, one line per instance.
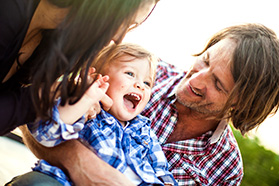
[175, 30]
[178, 28]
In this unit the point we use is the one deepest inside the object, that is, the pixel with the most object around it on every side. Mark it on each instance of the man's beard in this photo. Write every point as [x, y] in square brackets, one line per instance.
[204, 110]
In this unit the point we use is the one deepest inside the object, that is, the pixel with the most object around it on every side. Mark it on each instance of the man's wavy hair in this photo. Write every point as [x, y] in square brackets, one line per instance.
[255, 69]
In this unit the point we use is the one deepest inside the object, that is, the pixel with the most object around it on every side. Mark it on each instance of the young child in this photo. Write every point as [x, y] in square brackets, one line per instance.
[121, 137]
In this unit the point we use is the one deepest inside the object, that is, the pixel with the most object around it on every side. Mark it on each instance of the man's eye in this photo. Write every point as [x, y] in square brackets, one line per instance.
[216, 86]
[205, 58]
[130, 73]
[206, 62]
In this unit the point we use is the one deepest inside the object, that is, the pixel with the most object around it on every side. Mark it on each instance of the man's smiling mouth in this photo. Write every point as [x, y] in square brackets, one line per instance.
[195, 92]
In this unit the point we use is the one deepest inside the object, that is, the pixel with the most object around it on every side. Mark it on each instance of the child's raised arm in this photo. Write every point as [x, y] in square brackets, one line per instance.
[68, 120]
[89, 102]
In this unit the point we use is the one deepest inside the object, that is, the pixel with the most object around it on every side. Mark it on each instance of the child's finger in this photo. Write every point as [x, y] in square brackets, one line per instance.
[105, 78]
[102, 79]
[91, 70]
[106, 102]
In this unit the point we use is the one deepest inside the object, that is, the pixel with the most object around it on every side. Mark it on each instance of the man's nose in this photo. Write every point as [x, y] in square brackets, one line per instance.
[200, 79]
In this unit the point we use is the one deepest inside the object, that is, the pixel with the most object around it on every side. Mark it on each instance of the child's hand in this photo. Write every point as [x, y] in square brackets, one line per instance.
[89, 103]
[97, 93]
[98, 89]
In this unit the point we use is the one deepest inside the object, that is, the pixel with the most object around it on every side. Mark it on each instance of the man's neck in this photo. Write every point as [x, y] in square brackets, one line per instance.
[190, 124]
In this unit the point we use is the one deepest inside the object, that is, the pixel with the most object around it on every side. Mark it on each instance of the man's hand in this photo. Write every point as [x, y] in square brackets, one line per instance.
[78, 162]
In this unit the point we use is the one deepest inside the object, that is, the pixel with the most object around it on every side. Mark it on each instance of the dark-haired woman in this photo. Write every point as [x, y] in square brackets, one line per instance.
[41, 40]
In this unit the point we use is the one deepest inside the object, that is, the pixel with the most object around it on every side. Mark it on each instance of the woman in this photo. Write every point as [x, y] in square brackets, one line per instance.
[44, 39]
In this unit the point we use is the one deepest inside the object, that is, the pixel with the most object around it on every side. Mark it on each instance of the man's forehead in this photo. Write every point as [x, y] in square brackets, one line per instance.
[223, 48]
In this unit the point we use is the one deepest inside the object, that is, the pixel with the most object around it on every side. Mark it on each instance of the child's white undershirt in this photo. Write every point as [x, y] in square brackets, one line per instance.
[132, 176]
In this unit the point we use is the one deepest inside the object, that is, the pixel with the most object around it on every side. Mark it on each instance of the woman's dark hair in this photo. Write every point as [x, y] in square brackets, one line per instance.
[66, 51]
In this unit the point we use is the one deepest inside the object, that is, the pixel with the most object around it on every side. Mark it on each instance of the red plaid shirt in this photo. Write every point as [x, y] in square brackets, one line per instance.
[211, 159]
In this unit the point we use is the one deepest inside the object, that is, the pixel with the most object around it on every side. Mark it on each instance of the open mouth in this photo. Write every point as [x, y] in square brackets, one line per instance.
[195, 92]
[132, 100]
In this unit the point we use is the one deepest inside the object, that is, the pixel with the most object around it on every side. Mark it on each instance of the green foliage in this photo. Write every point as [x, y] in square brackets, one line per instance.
[261, 166]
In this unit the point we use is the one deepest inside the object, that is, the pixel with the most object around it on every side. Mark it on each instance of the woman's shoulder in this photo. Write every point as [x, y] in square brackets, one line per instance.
[15, 16]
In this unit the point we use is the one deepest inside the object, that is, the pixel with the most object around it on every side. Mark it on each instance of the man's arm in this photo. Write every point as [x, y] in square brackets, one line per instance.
[82, 165]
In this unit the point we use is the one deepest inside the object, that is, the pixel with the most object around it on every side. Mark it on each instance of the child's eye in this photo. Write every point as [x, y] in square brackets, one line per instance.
[130, 73]
[147, 83]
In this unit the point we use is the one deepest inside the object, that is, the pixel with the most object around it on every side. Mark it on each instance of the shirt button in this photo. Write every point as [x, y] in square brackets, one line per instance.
[173, 119]
[78, 127]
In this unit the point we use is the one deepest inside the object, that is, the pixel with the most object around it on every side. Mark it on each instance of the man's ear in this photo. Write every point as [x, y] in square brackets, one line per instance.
[234, 103]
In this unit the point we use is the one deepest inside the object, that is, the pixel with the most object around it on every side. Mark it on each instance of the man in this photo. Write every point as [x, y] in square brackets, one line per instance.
[199, 148]
[235, 78]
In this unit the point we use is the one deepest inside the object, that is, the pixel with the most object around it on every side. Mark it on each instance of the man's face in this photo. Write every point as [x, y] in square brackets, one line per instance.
[207, 85]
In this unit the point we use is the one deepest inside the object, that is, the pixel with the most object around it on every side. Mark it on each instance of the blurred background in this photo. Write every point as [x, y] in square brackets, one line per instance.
[179, 28]
[175, 30]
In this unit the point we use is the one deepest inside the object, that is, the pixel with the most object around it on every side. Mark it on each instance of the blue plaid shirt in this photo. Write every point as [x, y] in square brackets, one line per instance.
[134, 146]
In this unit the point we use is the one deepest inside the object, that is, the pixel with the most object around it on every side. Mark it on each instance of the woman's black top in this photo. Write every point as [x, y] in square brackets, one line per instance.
[16, 107]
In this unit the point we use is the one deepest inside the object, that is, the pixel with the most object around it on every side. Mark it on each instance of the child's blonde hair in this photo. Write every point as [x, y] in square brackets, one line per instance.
[112, 52]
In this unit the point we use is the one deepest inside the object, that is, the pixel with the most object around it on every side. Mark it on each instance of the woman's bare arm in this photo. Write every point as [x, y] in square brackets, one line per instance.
[82, 165]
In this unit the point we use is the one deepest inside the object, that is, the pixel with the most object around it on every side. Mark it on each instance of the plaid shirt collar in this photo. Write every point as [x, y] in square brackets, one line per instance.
[218, 132]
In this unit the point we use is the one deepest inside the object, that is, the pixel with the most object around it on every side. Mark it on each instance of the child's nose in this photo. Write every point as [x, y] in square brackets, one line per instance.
[139, 86]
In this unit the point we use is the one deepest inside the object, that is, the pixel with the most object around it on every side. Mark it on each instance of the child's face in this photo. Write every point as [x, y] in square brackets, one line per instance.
[130, 82]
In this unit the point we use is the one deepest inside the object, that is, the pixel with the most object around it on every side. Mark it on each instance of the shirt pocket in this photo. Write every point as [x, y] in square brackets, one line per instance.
[186, 172]
[139, 146]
